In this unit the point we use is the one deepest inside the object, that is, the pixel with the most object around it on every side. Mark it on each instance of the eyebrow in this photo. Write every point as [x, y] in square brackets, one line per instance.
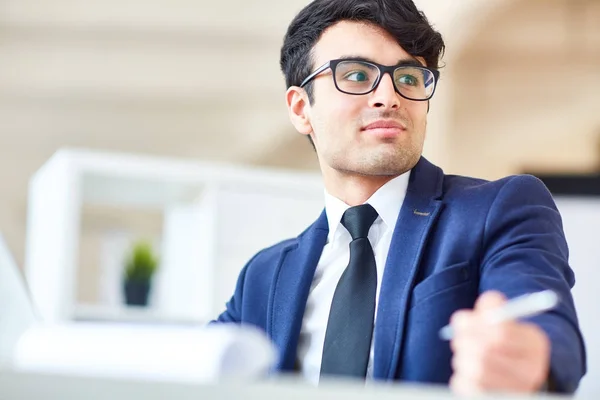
[402, 62]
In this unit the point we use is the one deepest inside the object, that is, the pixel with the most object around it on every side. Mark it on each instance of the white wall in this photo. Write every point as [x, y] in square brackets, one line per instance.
[581, 219]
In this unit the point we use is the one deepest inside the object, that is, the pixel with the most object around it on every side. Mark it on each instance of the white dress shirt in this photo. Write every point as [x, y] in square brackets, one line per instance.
[387, 201]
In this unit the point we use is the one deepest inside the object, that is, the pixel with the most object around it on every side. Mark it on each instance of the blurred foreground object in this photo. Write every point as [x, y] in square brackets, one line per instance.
[153, 352]
[16, 311]
[142, 352]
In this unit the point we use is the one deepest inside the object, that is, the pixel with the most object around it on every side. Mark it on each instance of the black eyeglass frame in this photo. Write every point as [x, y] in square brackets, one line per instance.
[383, 69]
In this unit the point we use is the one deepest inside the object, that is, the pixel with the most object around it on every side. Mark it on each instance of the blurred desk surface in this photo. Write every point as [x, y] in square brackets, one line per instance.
[25, 386]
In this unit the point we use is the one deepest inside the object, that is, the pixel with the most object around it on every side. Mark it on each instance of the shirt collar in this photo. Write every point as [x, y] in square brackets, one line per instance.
[387, 201]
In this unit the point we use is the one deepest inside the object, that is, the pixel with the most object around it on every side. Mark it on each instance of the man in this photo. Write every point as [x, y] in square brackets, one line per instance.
[401, 247]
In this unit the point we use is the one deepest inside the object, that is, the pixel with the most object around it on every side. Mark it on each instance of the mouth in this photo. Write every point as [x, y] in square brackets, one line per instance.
[384, 128]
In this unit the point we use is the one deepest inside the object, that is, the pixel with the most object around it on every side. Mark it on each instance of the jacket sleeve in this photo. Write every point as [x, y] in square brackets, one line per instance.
[233, 308]
[525, 251]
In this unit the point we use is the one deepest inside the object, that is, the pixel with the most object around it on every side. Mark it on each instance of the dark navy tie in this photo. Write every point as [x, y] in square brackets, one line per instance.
[350, 326]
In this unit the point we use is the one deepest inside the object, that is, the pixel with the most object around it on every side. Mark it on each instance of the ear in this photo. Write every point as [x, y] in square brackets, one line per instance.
[299, 109]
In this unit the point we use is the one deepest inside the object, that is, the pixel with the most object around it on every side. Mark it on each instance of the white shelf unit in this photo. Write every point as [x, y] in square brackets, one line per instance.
[215, 217]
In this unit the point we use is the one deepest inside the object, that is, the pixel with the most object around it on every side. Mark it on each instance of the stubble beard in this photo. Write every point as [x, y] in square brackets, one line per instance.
[392, 161]
[393, 158]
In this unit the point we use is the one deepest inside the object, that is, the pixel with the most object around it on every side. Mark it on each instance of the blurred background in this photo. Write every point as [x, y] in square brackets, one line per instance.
[189, 96]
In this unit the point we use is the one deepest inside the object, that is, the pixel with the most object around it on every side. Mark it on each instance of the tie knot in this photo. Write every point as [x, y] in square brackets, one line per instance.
[358, 220]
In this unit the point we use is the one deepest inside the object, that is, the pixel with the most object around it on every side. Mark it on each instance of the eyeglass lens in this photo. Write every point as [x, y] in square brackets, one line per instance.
[358, 77]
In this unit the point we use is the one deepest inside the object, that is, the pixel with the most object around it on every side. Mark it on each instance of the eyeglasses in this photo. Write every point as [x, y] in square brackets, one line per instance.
[357, 77]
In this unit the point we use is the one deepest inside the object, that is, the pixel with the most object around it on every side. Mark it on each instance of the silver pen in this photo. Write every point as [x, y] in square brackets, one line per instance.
[523, 306]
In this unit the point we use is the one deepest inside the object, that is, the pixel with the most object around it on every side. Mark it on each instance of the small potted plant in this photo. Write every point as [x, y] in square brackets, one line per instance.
[141, 264]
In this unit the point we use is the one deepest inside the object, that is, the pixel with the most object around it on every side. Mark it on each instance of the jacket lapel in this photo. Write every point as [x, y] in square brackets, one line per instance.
[291, 286]
[419, 211]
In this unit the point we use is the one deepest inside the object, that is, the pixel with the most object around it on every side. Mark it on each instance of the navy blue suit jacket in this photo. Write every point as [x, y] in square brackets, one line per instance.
[455, 238]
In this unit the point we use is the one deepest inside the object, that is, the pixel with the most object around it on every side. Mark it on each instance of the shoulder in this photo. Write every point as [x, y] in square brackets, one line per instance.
[270, 254]
[515, 188]
[264, 263]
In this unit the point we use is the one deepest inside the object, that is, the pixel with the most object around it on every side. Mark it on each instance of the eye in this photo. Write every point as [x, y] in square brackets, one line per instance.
[409, 80]
[357, 76]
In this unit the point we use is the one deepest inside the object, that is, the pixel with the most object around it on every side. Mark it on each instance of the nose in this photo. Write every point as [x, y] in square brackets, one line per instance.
[384, 95]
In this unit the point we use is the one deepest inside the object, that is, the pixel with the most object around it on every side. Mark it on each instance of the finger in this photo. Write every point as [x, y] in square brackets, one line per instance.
[461, 319]
[508, 339]
[522, 374]
[513, 339]
[491, 372]
[509, 374]
[469, 340]
[491, 369]
[461, 385]
[489, 300]
[468, 327]
[465, 325]
[527, 347]
[518, 340]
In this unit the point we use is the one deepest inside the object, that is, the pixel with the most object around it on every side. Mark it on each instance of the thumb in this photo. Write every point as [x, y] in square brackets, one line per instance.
[489, 301]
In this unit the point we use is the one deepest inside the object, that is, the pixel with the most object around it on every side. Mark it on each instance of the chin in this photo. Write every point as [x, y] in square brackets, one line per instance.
[378, 169]
[377, 162]
[396, 166]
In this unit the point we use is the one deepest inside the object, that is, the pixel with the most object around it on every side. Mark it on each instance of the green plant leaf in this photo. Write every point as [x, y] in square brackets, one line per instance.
[141, 262]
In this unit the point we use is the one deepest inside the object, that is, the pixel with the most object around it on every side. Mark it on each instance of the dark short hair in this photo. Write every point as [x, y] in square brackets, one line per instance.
[400, 18]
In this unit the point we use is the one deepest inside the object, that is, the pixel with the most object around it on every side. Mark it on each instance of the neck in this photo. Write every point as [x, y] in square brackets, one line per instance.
[353, 189]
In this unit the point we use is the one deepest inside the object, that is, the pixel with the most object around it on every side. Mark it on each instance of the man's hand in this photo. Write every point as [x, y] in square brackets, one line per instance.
[505, 357]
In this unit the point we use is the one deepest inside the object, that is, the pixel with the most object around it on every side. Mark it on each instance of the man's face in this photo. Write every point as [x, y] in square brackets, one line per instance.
[339, 123]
